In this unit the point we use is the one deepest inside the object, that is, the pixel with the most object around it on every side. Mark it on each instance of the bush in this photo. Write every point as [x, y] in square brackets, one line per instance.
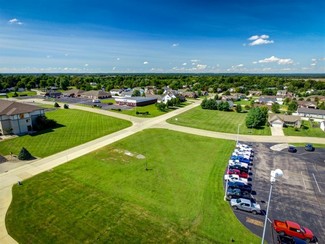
[66, 106]
[43, 123]
[24, 154]
[56, 105]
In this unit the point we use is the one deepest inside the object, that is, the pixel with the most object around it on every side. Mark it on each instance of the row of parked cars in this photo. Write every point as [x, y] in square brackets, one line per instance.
[238, 180]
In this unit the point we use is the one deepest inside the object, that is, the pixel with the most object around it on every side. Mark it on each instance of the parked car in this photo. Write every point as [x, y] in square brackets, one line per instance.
[309, 147]
[235, 178]
[241, 174]
[236, 162]
[290, 228]
[237, 193]
[240, 185]
[289, 240]
[239, 167]
[292, 149]
[246, 205]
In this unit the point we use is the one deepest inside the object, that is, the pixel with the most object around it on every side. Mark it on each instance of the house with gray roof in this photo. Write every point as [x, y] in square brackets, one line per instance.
[96, 94]
[280, 120]
[18, 118]
[311, 113]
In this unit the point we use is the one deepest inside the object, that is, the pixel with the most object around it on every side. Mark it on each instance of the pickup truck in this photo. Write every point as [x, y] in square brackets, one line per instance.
[293, 229]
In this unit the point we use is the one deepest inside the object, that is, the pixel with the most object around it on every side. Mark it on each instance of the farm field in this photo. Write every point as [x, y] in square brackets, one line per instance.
[109, 196]
[219, 121]
[77, 127]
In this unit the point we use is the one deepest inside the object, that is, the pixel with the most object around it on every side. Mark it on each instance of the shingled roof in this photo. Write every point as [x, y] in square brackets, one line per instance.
[13, 108]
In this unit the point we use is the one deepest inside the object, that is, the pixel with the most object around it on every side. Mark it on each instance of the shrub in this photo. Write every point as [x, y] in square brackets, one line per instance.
[56, 105]
[24, 154]
[66, 106]
[43, 123]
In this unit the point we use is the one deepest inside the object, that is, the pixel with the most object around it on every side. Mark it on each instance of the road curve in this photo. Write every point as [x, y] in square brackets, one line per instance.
[11, 177]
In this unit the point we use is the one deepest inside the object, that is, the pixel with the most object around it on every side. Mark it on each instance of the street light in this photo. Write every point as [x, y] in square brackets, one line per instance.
[278, 173]
[225, 197]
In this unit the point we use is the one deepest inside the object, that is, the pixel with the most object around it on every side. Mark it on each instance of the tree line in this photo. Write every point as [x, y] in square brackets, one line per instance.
[268, 84]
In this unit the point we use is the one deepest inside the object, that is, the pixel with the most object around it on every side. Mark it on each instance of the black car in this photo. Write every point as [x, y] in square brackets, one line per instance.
[239, 185]
[237, 193]
[292, 149]
[309, 147]
[236, 166]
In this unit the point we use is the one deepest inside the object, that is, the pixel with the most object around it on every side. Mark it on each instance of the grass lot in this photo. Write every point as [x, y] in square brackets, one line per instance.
[111, 100]
[217, 121]
[109, 197]
[25, 93]
[78, 127]
[306, 130]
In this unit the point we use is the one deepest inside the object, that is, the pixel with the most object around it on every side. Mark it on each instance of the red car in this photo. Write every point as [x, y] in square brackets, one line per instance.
[290, 228]
[241, 174]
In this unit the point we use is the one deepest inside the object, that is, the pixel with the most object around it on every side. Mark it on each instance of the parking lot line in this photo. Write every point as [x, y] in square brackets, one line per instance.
[315, 168]
[303, 180]
[316, 183]
[254, 222]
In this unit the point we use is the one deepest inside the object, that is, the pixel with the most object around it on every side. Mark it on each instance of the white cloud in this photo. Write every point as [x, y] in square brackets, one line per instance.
[175, 45]
[86, 65]
[259, 40]
[201, 66]
[145, 62]
[118, 59]
[274, 59]
[240, 65]
[184, 64]
[114, 68]
[194, 60]
[15, 21]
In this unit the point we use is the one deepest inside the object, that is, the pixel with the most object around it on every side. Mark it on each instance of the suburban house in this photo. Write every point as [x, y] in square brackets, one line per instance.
[254, 93]
[18, 118]
[281, 93]
[150, 90]
[126, 94]
[230, 102]
[280, 120]
[311, 113]
[168, 96]
[189, 94]
[313, 97]
[96, 94]
[307, 104]
[135, 101]
[268, 100]
[52, 93]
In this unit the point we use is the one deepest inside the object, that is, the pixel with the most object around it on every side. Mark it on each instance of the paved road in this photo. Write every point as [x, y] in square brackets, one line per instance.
[11, 177]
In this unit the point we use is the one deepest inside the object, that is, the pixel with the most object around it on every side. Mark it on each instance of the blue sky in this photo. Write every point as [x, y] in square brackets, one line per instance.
[181, 36]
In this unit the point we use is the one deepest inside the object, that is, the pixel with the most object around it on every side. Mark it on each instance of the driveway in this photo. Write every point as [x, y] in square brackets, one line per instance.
[277, 131]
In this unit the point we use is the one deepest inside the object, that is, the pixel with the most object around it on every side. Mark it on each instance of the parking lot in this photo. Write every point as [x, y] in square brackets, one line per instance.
[298, 196]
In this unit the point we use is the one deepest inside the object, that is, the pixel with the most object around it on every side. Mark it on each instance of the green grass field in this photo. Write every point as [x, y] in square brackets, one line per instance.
[78, 127]
[25, 93]
[306, 130]
[109, 197]
[217, 121]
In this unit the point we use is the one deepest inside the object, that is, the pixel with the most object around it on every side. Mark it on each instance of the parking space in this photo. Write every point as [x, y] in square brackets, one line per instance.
[298, 196]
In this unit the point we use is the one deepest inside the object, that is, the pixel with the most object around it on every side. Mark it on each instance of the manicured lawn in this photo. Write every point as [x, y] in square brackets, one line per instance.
[306, 129]
[78, 127]
[217, 121]
[25, 93]
[112, 100]
[110, 197]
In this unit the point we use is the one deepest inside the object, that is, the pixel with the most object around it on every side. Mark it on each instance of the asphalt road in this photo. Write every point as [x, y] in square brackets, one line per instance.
[298, 196]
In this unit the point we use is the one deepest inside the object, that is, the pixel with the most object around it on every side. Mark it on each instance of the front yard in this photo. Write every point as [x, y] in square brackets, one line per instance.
[308, 129]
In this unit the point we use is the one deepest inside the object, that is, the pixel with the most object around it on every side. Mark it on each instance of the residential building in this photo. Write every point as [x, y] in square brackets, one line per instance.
[280, 120]
[311, 113]
[135, 101]
[18, 118]
[96, 94]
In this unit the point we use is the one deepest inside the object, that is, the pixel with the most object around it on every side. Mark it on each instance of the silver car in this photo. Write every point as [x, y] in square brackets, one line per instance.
[246, 205]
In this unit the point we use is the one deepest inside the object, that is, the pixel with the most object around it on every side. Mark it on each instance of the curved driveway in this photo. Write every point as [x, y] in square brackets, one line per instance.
[11, 177]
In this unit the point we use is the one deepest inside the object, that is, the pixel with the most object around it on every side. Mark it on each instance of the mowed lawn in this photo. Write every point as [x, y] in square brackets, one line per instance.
[109, 197]
[306, 130]
[219, 121]
[77, 127]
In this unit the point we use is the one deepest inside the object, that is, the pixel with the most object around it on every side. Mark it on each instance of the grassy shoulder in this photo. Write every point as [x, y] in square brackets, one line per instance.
[215, 120]
[109, 196]
[77, 127]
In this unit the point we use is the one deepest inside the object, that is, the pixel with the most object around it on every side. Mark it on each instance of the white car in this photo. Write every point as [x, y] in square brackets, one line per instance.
[236, 162]
[235, 178]
[246, 205]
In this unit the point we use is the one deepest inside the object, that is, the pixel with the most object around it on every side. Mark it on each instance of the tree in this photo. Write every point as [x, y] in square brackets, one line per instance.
[255, 118]
[66, 106]
[136, 93]
[24, 154]
[239, 108]
[275, 108]
[56, 105]
[293, 106]
[161, 106]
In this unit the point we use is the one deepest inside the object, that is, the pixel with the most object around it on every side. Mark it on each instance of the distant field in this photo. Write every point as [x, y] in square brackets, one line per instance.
[306, 130]
[78, 127]
[109, 197]
[25, 93]
[217, 121]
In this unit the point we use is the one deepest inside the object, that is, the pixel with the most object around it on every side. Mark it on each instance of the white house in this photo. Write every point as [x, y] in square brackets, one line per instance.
[311, 113]
[18, 118]
[167, 97]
